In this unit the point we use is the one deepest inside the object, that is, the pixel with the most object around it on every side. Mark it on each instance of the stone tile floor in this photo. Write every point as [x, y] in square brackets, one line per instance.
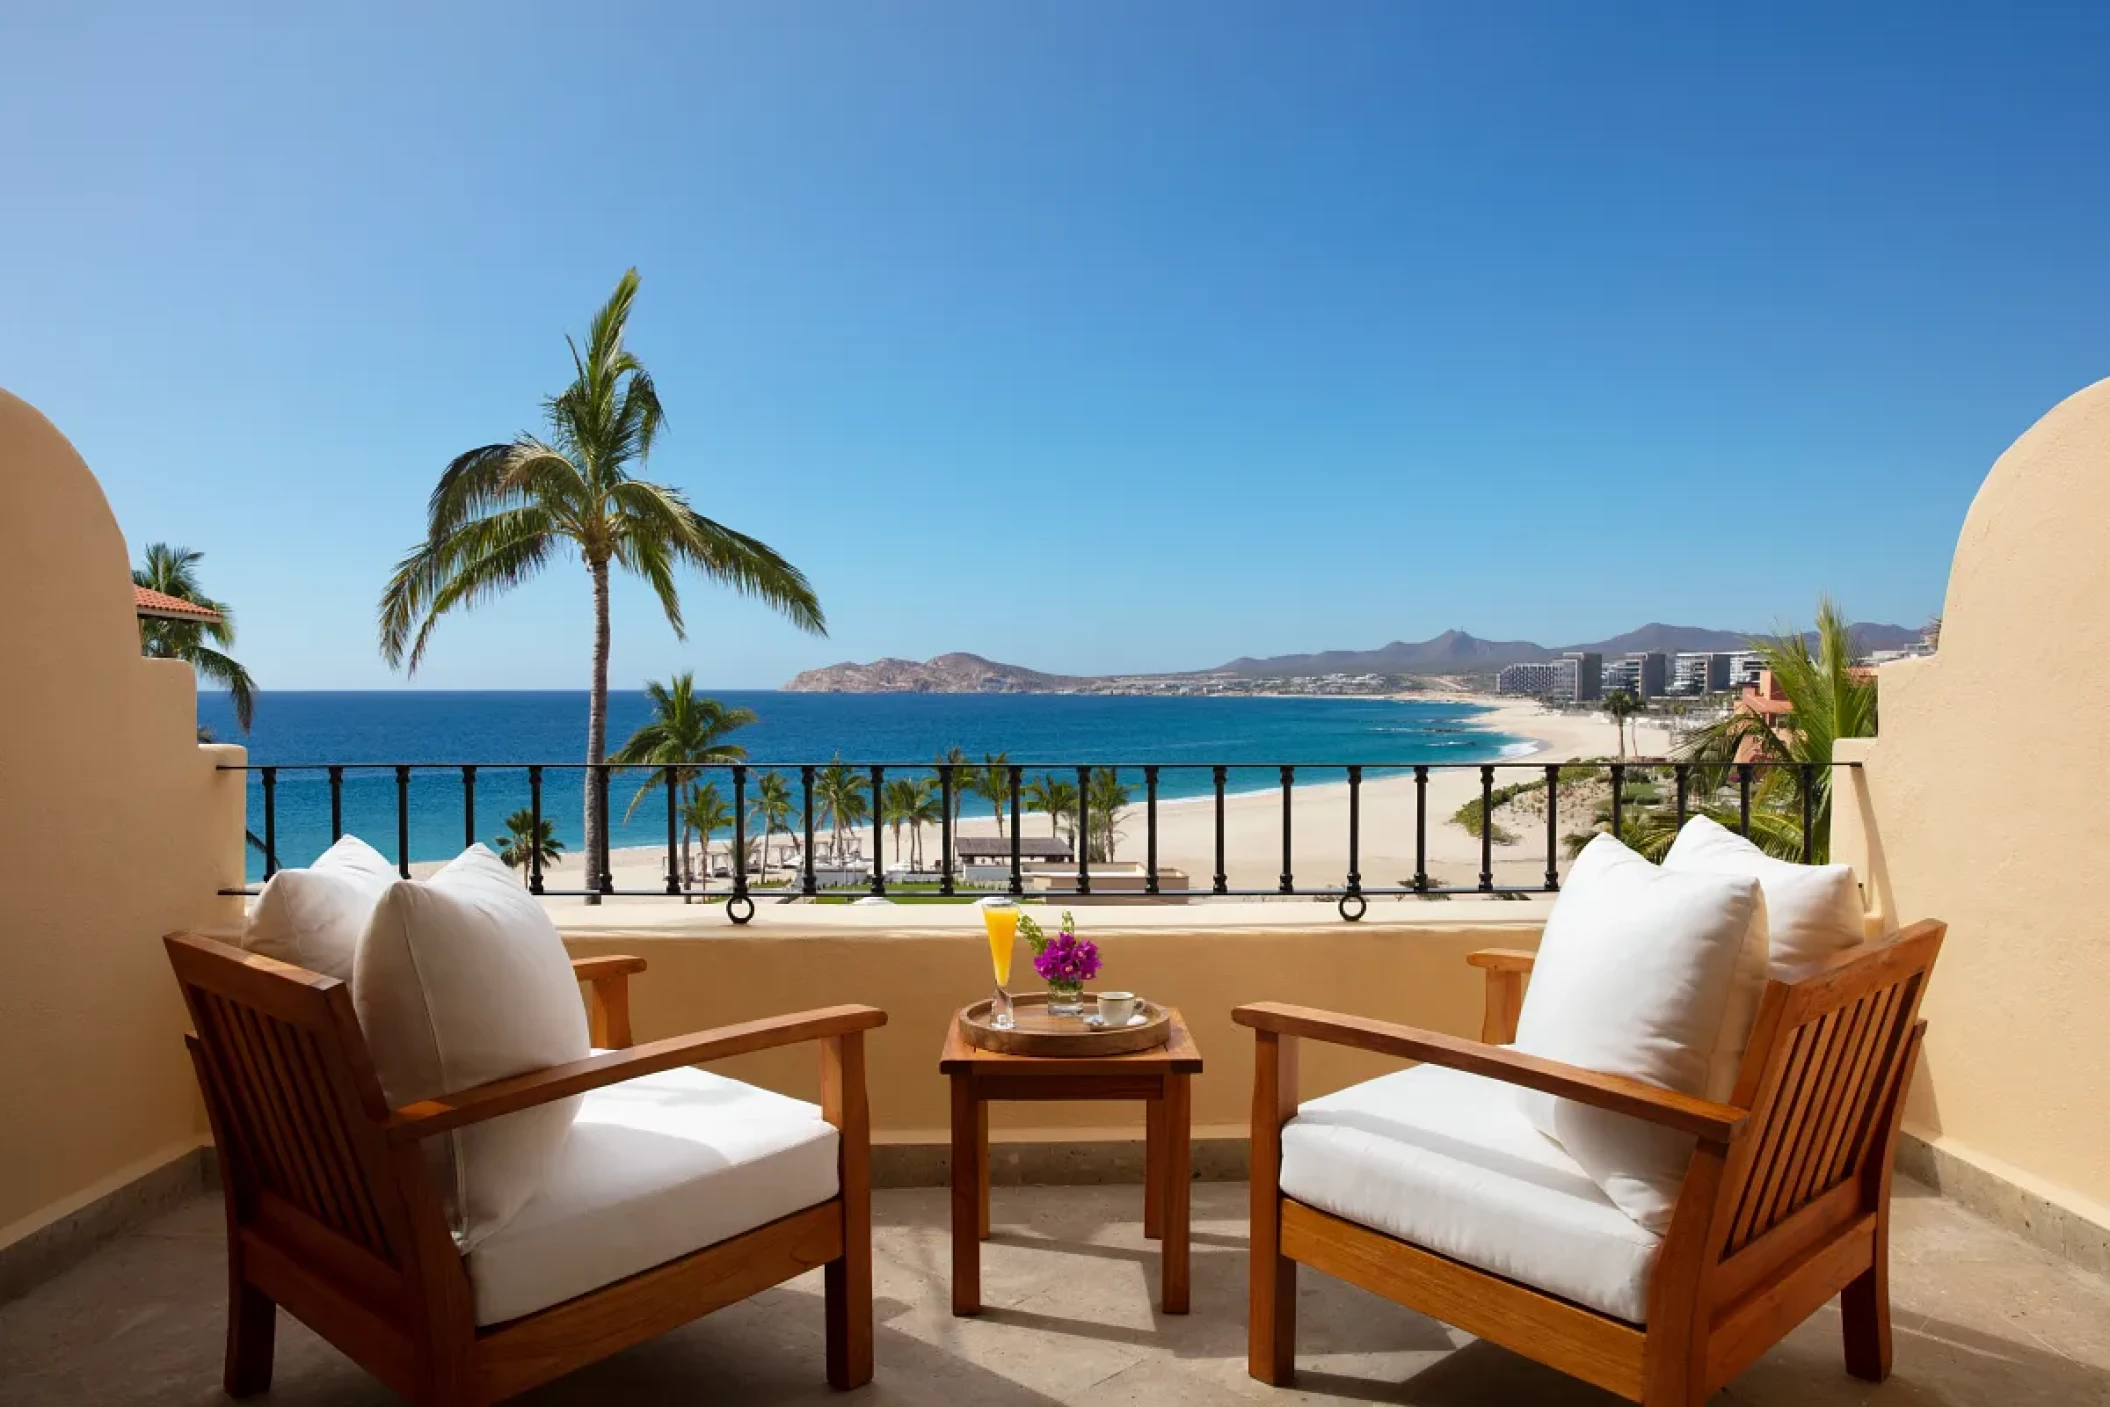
[1070, 1285]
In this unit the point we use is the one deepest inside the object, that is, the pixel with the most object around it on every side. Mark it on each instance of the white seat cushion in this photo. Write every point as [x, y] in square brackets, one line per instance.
[1447, 1161]
[312, 918]
[655, 1168]
[460, 980]
[1643, 972]
[1812, 911]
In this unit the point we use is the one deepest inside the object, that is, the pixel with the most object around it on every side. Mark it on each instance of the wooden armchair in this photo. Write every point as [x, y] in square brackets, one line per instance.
[333, 1214]
[1785, 1204]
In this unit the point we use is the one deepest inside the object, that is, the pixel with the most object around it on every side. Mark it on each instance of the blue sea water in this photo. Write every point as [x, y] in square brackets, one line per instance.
[903, 729]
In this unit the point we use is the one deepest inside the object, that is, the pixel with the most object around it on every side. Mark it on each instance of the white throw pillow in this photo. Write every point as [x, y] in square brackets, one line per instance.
[312, 918]
[1812, 911]
[461, 979]
[1635, 976]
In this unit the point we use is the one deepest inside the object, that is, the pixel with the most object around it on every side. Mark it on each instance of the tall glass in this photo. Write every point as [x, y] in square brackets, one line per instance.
[1000, 917]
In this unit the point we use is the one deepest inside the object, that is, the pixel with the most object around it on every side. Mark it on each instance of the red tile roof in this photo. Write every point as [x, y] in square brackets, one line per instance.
[165, 607]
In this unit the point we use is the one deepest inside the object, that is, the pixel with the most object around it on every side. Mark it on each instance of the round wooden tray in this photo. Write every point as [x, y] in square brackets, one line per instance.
[1038, 1033]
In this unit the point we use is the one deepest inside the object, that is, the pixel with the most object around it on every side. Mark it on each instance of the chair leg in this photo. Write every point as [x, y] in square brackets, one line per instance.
[252, 1328]
[1864, 1322]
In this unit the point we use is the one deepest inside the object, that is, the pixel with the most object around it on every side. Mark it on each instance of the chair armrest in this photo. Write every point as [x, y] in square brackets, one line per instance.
[1506, 970]
[1703, 1118]
[607, 982]
[508, 1096]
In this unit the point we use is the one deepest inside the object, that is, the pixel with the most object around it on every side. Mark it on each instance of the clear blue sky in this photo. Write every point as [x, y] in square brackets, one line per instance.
[1090, 336]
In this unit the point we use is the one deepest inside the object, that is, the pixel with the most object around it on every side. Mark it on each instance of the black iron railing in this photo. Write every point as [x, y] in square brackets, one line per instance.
[1695, 785]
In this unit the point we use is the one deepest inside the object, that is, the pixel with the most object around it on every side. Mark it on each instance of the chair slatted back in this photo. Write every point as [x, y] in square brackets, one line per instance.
[296, 1108]
[1823, 1078]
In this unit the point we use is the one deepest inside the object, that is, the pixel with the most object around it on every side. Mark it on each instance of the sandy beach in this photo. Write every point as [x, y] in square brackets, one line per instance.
[1319, 821]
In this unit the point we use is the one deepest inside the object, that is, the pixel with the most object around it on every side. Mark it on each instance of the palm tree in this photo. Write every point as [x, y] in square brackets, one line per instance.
[770, 810]
[1828, 699]
[1108, 795]
[897, 803]
[992, 782]
[502, 512]
[687, 732]
[173, 571]
[1050, 796]
[841, 793]
[919, 805]
[524, 847]
[705, 815]
[1621, 706]
[964, 781]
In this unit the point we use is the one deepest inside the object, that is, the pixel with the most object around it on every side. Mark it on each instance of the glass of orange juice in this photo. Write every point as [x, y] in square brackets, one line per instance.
[1000, 917]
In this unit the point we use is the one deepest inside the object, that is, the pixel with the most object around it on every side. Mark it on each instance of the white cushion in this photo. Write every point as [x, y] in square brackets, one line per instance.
[1812, 911]
[655, 1168]
[1447, 1161]
[312, 918]
[1639, 975]
[460, 980]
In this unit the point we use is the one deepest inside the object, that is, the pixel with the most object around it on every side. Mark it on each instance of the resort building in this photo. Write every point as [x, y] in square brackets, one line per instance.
[1550, 679]
[1589, 675]
[1706, 672]
[1645, 674]
[1982, 1213]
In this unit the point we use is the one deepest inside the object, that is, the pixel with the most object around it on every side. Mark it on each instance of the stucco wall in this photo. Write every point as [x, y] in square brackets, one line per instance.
[114, 828]
[1982, 803]
[1416, 974]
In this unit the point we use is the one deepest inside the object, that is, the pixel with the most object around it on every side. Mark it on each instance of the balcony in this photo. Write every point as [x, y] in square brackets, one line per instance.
[1983, 1320]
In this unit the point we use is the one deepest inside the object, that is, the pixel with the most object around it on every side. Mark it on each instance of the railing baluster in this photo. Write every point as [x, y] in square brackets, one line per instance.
[1222, 881]
[1150, 830]
[673, 841]
[270, 822]
[739, 834]
[1809, 787]
[810, 883]
[1684, 774]
[1743, 798]
[1619, 802]
[1018, 876]
[1487, 829]
[403, 821]
[1355, 830]
[336, 804]
[878, 818]
[468, 807]
[605, 858]
[1421, 829]
[535, 820]
[1289, 882]
[1084, 809]
[1553, 794]
[945, 827]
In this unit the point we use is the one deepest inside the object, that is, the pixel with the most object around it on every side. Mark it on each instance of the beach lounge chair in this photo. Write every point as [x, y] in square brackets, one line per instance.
[1432, 1188]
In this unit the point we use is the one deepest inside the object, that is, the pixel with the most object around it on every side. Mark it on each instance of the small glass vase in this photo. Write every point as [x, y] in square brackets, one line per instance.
[1065, 999]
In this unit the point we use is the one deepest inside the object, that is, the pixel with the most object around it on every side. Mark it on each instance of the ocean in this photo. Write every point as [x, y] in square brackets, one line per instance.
[418, 726]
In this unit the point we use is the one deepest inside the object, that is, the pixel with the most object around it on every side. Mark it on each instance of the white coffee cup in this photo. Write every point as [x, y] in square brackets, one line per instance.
[1116, 1008]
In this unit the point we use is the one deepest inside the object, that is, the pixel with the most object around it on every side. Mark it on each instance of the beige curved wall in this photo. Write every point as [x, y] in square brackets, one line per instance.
[1984, 803]
[114, 828]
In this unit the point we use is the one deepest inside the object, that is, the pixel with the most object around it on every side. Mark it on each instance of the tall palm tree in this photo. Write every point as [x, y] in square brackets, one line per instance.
[919, 805]
[524, 846]
[687, 732]
[502, 512]
[173, 571]
[1621, 706]
[964, 783]
[770, 810]
[1050, 796]
[1829, 699]
[841, 793]
[897, 803]
[1103, 808]
[705, 815]
[992, 782]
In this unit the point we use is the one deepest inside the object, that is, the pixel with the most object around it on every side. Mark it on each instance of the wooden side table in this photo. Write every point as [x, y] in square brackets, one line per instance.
[1160, 1077]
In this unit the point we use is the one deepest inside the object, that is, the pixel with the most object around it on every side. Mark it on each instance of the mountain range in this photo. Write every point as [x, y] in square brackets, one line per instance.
[1453, 652]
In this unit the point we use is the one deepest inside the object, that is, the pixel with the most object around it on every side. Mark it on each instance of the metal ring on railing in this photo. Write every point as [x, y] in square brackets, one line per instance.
[735, 913]
[1362, 906]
